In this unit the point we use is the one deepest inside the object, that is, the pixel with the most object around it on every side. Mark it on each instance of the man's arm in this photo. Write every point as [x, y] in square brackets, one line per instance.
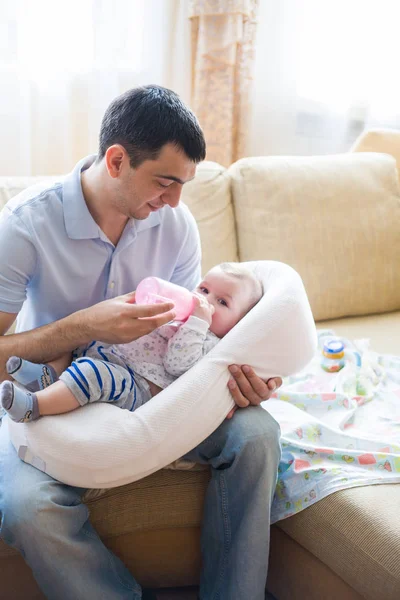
[6, 320]
[117, 321]
[42, 344]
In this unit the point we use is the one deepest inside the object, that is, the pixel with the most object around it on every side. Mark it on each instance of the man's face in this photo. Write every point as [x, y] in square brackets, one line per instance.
[154, 184]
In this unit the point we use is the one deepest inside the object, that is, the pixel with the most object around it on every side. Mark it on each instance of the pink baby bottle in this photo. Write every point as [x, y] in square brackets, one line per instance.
[154, 290]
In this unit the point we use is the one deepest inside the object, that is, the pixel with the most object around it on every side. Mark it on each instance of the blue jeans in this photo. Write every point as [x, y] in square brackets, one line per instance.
[46, 521]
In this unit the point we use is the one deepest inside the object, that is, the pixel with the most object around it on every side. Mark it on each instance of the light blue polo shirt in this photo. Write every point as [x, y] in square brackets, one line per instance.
[55, 260]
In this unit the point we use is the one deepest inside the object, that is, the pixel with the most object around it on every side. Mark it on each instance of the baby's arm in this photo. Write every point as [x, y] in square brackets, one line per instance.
[187, 346]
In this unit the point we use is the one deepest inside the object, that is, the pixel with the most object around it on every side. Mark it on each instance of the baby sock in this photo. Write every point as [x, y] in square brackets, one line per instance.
[32, 376]
[20, 405]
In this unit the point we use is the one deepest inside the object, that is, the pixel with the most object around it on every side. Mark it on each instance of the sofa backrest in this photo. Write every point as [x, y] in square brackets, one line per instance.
[209, 198]
[11, 186]
[335, 219]
[379, 140]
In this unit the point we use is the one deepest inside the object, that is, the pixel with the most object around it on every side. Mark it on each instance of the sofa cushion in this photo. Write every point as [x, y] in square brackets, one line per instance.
[335, 219]
[153, 525]
[355, 532]
[382, 330]
[164, 500]
[209, 198]
[310, 578]
[11, 186]
[379, 140]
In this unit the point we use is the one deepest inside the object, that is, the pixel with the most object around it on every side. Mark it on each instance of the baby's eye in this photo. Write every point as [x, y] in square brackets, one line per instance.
[223, 302]
[203, 290]
[162, 185]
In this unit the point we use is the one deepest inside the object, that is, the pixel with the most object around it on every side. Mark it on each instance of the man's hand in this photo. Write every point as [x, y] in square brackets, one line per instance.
[120, 320]
[249, 389]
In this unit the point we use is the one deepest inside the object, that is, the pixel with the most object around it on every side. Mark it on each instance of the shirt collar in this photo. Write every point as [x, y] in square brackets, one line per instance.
[152, 220]
[79, 223]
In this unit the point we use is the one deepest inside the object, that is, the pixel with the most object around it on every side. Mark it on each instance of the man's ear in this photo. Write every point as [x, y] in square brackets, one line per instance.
[115, 158]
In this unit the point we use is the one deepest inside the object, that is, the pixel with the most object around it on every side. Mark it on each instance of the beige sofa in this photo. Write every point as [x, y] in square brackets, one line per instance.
[337, 221]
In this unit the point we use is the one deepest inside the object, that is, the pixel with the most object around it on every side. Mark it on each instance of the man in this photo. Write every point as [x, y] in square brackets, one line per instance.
[70, 257]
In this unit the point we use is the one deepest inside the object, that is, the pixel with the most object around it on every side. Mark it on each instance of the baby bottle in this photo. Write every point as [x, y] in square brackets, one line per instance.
[153, 290]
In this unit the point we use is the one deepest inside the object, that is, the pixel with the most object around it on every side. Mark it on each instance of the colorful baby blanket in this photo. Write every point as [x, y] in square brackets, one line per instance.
[339, 430]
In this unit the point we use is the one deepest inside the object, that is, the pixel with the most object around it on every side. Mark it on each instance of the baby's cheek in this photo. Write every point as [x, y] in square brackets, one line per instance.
[216, 323]
[230, 321]
[225, 323]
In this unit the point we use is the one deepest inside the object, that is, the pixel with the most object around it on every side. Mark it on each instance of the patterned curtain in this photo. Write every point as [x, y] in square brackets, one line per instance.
[223, 36]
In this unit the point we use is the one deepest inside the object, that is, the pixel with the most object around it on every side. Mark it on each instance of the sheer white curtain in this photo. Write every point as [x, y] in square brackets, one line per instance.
[325, 70]
[63, 61]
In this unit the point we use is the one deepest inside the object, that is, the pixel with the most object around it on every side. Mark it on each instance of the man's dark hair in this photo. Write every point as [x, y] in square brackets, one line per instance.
[144, 119]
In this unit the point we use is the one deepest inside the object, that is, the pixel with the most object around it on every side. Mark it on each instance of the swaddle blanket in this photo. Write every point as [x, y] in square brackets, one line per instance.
[339, 430]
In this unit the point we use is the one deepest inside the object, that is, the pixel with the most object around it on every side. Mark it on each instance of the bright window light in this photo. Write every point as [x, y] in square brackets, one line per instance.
[44, 37]
[347, 53]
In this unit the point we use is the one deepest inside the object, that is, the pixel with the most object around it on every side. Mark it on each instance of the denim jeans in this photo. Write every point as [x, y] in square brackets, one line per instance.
[46, 521]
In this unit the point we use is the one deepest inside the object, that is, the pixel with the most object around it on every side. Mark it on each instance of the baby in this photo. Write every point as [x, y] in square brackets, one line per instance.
[128, 375]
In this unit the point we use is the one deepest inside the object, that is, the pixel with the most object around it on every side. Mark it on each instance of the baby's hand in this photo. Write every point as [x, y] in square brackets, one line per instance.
[202, 308]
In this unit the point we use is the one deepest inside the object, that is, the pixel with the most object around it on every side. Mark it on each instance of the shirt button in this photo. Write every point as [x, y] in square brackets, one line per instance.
[111, 285]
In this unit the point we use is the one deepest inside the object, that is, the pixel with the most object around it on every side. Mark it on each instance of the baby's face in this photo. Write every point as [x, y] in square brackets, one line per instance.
[229, 296]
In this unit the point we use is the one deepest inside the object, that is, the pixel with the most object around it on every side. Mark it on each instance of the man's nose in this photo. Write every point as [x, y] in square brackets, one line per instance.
[173, 196]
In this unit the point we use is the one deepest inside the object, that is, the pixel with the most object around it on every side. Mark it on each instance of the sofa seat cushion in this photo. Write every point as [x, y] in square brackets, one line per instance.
[356, 533]
[383, 330]
[168, 499]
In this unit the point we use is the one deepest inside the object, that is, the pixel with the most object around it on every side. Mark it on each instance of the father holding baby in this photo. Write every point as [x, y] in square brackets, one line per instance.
[70, 256]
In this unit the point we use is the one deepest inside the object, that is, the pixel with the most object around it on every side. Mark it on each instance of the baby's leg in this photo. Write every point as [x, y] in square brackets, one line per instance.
[56, 399]
[23, 406]
[86, 380]
[35, 376]
[154, 389]
[93, 380]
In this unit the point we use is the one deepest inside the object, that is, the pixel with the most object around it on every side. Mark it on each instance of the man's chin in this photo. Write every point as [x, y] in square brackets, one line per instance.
[145, 212]
[142, 214]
